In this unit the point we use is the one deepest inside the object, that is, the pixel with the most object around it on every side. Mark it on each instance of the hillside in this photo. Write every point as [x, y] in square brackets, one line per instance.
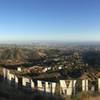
[75, 62]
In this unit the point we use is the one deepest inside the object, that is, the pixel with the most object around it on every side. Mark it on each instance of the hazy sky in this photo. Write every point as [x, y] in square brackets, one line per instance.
[68, 20]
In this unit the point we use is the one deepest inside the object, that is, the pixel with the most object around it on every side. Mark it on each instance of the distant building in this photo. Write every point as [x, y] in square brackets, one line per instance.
[19, 69]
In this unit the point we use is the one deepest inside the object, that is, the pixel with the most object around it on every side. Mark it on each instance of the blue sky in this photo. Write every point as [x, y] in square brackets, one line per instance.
[68, 20]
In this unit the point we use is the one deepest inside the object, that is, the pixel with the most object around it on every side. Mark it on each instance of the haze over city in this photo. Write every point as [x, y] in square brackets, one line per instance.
[50, 20]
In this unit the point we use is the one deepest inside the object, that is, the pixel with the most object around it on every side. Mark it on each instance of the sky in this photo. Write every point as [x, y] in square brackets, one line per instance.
[51, 20]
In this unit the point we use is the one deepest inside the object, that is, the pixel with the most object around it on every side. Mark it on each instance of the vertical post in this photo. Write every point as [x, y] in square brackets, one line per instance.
[84, 85]
[53, 87]
[74, 88]
[16, 81]
[32, 84]
[98, 84]
[4, 73]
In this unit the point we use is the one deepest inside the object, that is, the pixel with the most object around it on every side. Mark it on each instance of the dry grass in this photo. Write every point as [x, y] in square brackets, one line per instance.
[92, 98]
[84, 96]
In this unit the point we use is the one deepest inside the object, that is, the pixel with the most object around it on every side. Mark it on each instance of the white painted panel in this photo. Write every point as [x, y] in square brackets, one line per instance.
[40, 86]
[25, 80]
[48, 87]
[99, 84]
[67, 90]
[32, 84]
[53, 87]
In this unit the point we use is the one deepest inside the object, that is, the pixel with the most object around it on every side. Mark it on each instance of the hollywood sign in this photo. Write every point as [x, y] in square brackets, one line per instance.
[66, 87]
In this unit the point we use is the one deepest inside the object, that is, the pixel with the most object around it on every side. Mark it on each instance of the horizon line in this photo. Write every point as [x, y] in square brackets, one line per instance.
[46, 41]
